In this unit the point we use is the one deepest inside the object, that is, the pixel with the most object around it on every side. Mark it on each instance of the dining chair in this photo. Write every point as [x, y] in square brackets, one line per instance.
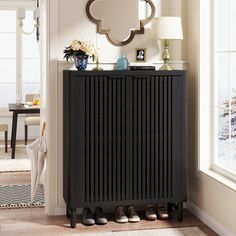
[31, 119]
[4, 128]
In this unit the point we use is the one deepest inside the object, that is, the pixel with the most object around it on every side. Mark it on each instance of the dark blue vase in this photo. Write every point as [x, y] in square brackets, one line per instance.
[81, 62]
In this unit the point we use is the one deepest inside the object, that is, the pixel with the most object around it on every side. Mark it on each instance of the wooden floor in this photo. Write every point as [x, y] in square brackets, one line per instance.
[15, 177]
[34, 221]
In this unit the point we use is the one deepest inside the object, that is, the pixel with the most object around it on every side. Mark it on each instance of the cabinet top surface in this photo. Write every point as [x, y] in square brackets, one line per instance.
[126, 72]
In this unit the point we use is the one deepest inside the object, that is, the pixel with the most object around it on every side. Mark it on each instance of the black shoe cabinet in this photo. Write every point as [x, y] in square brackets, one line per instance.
[125, 139]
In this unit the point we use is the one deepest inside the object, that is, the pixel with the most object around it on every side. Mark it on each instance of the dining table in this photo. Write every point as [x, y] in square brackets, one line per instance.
[19, 109]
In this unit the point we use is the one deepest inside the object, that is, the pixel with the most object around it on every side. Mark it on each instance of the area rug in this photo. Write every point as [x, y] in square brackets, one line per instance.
[183, 231]
[20, 163]
[18, 196]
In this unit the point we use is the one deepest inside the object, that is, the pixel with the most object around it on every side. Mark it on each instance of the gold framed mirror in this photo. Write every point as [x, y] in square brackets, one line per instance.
[119, 20]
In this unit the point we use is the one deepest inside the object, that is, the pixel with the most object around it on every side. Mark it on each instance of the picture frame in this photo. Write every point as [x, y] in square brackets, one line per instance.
[140, 55]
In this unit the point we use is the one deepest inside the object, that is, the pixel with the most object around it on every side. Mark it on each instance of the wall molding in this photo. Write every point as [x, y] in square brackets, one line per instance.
[208, 220]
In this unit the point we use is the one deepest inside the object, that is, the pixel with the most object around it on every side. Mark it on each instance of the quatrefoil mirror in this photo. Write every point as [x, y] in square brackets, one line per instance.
[120, 20]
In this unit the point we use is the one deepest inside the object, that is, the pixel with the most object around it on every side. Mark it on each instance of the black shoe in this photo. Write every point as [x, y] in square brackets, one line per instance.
[132, 215]
[87, 217]
[100, 217]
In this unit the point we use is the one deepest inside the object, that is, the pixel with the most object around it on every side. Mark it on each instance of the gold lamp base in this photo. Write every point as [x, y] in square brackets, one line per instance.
[166, 57]
[166, 67]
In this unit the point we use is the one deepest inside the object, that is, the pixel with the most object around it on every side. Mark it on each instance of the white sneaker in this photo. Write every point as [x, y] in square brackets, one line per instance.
[120, 215]
[132, 215]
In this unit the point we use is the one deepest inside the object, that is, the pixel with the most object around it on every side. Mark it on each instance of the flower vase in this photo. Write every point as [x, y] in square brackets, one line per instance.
[81, 62]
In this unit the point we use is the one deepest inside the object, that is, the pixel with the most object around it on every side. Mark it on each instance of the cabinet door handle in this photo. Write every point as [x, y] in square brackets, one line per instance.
[116, 77]
[141, 77]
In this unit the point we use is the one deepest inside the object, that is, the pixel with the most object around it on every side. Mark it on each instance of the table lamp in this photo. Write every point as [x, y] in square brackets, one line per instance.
[168, 27]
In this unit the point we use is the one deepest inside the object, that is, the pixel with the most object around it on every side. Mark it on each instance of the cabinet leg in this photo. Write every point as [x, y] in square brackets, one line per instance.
[67, 212]
[179, 210]
[72, 217]
[169, 209]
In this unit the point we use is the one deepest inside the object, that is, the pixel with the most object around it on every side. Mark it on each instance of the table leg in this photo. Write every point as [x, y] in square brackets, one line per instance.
[12, 125]
[13, 134]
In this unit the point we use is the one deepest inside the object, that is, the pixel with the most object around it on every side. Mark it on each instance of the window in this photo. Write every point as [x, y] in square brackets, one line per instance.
[7, 57]
[30, 59]
[19, 58]
[224, 89]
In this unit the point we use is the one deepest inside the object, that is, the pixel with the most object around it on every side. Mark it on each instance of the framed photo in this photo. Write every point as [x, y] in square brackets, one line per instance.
[140, 55]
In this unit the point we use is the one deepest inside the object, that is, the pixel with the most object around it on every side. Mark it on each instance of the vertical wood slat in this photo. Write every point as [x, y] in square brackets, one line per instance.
[92, 140]
[135, 138]
[131, 157]
[165, 138]
[123, 144]
[96, 153]
[127, 131]
[110, 140]
[156, 137]
[118, 142]
[160, 170]
[152, 133]
[105, 124]
[139, 130]
[87, 143]
[114, 139]
[148, 141]
[143, 137]
[101, 140]
[77, 139]
[170, 193]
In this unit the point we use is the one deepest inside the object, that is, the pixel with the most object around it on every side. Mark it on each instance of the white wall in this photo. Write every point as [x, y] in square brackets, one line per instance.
[67, 20]
[74, 24]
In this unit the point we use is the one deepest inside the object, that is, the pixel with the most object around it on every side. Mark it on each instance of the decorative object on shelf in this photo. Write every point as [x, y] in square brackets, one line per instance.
[168, 27]
[140, 55]
[122, 63]
[81, 62]
[106, 14]
[80, 51]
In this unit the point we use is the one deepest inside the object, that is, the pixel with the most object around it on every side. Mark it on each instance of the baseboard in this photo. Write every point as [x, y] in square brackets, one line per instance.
[21, 137]
[208, 220]
[59, 211]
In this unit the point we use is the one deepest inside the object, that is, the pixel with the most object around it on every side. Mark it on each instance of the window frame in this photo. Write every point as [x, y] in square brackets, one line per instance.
[206, 100]
[228, 173]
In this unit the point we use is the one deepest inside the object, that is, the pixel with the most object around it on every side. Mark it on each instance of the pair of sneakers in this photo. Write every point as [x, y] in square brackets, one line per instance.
[99, 219]
[162, 212]
[131, 216]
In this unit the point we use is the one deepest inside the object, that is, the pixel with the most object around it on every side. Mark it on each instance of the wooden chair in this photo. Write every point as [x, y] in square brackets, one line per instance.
[30, 119]
[4, 128]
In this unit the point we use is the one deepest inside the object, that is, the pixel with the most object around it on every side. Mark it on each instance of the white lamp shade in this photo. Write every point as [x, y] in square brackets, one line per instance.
[169, 27]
